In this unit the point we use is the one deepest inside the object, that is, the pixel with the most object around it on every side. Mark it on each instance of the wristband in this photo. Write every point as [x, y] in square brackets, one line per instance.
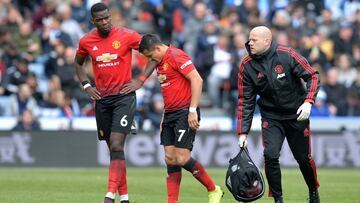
[83, 83]
[86, 85]
[192, 109]
[142, 77]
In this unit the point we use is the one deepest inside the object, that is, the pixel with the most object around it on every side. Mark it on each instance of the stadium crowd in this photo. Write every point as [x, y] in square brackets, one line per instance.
[38, 40]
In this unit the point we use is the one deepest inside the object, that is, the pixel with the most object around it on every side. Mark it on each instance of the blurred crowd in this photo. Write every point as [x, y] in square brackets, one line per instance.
[38, 40]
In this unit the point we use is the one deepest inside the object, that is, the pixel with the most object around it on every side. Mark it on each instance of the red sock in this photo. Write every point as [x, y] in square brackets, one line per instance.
[123, 183]
[173, 186]
[114, 175]
[200, 174]
[173, 180]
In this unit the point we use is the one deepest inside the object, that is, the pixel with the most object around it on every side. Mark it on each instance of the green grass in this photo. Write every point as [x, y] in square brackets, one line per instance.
[147, 185]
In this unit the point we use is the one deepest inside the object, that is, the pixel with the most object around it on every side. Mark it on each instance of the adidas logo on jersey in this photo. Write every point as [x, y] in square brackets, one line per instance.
[95, 48]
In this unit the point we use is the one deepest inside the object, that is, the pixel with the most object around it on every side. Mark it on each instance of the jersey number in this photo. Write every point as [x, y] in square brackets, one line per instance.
[182, 132]
[123, 121]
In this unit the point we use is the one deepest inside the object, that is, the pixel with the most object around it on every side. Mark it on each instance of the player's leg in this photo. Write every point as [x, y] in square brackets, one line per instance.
[122, 119]
[173, 178]
[104, 120]
[273, 136]
[184, 138]
[298, 137]
[117, 169]
[184, 159]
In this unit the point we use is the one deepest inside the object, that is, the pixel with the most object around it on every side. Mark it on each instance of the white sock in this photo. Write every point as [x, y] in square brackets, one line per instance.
[110, 195]
[124, 197]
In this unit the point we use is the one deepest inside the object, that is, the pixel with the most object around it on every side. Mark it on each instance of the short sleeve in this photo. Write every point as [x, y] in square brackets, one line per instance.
[183, 63]
[135, 39]
[81, 51]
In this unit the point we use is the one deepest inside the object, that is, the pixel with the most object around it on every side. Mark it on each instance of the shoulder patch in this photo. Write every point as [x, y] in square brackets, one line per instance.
[185, 64]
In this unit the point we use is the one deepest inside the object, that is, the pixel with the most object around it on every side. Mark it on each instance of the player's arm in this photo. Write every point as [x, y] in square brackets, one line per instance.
[196, 89]
[80, 72]
[138, 82]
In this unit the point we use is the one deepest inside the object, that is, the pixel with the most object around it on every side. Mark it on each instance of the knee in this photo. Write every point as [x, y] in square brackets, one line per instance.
[116, 146]
[117, 143]
[271, 159]
[181, 160]
[170, 160]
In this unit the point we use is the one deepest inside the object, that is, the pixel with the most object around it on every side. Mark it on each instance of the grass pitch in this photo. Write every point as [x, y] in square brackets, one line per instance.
[147, 185]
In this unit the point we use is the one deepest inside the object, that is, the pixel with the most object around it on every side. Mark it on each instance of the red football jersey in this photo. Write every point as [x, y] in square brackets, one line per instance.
[171, 72]
[111, 57]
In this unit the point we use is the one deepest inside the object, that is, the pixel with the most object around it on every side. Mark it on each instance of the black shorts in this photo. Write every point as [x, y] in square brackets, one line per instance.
[115, 114]
[176, 130]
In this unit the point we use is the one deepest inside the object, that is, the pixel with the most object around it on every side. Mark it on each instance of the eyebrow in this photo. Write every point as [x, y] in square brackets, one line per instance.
[102, 17]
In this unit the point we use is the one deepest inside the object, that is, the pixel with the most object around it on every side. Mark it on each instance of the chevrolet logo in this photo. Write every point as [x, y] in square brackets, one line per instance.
[106, 57]
[162, 78]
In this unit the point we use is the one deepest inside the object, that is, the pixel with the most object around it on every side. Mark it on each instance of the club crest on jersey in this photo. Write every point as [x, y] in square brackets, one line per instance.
[106, 57]
[165, 66]
[116, 44]
[280, 71]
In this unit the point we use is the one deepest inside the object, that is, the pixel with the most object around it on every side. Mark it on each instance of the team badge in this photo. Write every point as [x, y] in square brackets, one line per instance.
[279, 69]
[116, 44]
[162, 78]
[165, 66]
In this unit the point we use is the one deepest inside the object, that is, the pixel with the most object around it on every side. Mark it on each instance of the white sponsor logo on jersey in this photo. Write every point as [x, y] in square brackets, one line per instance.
[185, 64]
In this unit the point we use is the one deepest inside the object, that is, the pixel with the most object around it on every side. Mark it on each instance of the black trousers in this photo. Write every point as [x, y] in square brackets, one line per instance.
[297, 134]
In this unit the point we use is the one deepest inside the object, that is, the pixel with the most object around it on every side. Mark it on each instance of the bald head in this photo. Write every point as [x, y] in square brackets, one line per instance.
[262, 31]
[260, 38]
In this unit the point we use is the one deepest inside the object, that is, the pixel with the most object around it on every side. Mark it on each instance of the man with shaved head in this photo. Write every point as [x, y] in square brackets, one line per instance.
[276, 73]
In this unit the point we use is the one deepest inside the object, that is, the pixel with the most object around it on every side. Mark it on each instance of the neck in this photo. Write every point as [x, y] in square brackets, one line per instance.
[164, 48]
[104, 34]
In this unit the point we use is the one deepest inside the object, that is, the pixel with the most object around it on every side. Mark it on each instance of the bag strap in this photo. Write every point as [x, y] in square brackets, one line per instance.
[246, 152]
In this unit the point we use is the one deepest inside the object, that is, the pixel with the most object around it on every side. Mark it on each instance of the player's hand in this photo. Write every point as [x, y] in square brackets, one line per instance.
[93, 93]
[242, 140]
[304, 111]
[131, 86]
[193, 120]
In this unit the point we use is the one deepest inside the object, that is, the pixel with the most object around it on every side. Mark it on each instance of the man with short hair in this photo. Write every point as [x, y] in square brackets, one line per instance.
[275, 73]
[181, 87]
[110, 49]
